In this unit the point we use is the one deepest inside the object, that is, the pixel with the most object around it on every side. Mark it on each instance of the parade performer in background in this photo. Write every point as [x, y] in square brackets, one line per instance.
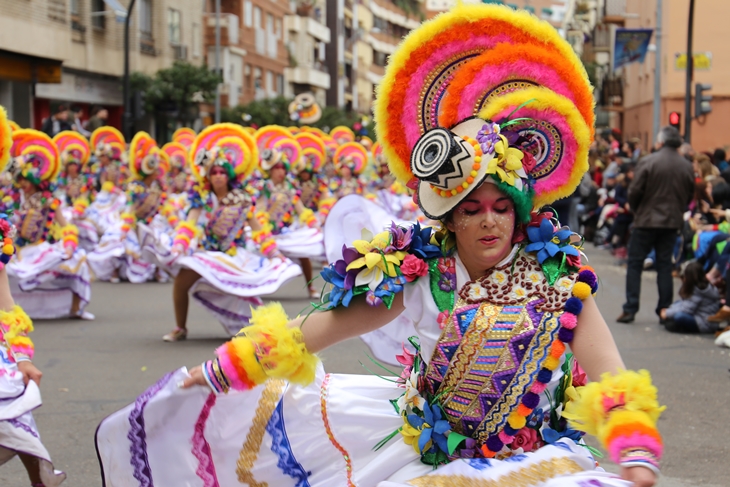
[313, 191]
[108, 148]
[208, 253]
[184, 136]
[75, 185]
[350, 160]
[19, 377]
[177, 177]
[118, 254]
[489, 394]
[50, 277]
[279, 207]
[304, 109]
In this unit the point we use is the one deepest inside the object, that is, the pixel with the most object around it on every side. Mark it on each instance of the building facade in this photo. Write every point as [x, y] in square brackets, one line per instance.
[72, 51]
[712, 67]
[307, 38]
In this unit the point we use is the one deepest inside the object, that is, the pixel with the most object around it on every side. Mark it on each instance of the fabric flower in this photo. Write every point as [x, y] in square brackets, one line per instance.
[525, 439]
[443, 318]
[400, 237]
[410, 436]
[528, 162]
[507, 164]
[411, 398]
[413, 268]
[546, 241]
[579, 375]
[421, 245]
[536, 418]
[488, 136]
[551, 436]
[433, 429]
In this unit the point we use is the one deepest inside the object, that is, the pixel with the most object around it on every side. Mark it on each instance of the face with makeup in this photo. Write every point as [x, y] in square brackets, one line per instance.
[278, 174]
[218, 179]
[483, 224]
[346, 173]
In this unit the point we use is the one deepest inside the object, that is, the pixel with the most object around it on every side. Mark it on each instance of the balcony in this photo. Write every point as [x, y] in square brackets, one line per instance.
[229, 30]
[306, 75]
[307, 25]
[382, 42]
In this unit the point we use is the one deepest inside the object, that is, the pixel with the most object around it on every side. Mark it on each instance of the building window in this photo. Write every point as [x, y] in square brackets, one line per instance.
[269, 82]
[196, 40]
[277, 28]
[173, 26]
[257, 17]
[98, 14]
[247, 77]
[247, 13]
[280, 84]
[379, 58]
[257, 79]
[75, 7]
[145, 19]
[269, 24]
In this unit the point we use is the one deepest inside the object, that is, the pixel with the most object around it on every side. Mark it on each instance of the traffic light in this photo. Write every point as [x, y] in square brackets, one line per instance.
[675, 120]
[702, 101]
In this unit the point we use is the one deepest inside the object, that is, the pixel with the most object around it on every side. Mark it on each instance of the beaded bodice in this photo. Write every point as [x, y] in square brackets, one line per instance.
[145, 200]
[225, 222]
[74, 187]
[494, 343]
[278, 202]
[346, 187]
[32, 217]
[310, 192]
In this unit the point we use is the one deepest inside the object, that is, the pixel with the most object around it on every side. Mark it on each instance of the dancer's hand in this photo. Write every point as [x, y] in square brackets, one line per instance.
[30, 372]
[177, 250]
[640, 476]
[196, 378]
[69, 252]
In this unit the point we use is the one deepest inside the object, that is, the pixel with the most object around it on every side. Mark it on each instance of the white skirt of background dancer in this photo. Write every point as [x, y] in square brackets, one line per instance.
[88, 231]
[229, 285]
[321, 435]
[301, 242]
[122, 251]
[106, 209]
[345, 223]
[18, 432]
[44, 282]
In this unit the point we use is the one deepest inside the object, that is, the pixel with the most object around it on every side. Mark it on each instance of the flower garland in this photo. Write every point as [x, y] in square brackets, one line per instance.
[558, 249]
[379, 265]
[7, 229]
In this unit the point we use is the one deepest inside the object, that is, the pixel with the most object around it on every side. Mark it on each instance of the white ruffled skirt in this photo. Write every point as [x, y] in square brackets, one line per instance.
[229, 285]
[18, 431]
[301, 243]
[104, 212]
[321, 435]
[88, 232]
[122, 251]
[44, 282]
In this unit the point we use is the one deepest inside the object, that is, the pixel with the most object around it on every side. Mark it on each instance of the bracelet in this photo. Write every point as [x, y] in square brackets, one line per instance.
[128, 220]
[14, 328]
[640, 463]
[214, 378]
[70, 236]
[307, 217]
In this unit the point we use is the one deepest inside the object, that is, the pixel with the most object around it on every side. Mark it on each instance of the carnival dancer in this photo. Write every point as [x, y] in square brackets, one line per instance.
[350, 160]
[118, 254]
[50, 277]
[108, 147]
[211, 263]
[177, 177]
[488, 395]
[19, 377]
[75, 185]
[313, 191]
[295, 227]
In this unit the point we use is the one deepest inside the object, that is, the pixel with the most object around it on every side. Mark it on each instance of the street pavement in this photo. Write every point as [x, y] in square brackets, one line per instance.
[91, 369]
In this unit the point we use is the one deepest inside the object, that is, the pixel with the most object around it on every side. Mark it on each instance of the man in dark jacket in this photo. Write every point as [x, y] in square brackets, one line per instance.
[662, 189]
[57, 123]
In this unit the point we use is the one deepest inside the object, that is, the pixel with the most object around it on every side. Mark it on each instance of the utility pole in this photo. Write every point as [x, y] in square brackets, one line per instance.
[690, 75]
[657, 70]
[127, 116]
[217, 59]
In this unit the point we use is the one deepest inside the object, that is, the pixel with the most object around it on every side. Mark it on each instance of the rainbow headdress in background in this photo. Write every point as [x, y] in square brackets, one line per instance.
[314, 151]
[37, 156]
[266, 135]
[352, 155]
[177, 153]
[342, 134]
[73, 148]
[108, 141]
[227, 145]
[6, 139]
[144, 156]
[184, 136]
[379, 162]
[510, 103]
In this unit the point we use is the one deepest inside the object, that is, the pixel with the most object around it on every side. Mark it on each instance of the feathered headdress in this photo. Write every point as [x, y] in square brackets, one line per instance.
[184, 136]
[352, 155]
[6, 139]
[108, 141]
[342, 134]
[314, 151]
[177, 153]
[144, 155]
[36, 155]
[73, 148]
[509, 103]
[227, 145]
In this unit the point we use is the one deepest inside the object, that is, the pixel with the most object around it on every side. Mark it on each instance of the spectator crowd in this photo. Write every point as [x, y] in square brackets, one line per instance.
[668, 210]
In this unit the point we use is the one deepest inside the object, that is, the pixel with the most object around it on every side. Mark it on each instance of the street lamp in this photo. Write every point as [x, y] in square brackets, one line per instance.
[127, 117]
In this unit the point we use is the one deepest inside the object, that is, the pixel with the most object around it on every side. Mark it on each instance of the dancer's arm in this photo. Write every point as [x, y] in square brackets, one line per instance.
[191, 221]
[596, 351]
[322, 330]
[26, 367]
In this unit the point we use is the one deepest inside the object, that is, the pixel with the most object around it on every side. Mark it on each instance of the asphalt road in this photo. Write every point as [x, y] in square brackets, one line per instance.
[93, 368]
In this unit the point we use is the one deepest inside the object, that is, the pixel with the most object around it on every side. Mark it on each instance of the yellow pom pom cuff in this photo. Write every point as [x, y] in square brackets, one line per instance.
[621, 411]
[14, 328]
[268, 348]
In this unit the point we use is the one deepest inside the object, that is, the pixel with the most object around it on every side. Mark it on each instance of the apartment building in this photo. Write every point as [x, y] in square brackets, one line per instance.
[254, 53]
[307, 38]
[72, 51]
[364, 35]
[553, 11]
